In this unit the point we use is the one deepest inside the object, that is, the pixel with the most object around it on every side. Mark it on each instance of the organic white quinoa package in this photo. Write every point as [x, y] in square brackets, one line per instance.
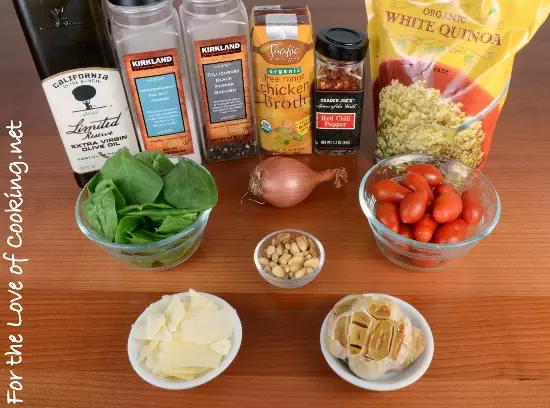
[440, 64]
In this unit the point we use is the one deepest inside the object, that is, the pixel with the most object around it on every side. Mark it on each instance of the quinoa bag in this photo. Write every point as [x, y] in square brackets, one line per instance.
[444, 62]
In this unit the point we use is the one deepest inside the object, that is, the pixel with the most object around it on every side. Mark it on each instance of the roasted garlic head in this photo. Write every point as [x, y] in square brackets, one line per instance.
[373, 335]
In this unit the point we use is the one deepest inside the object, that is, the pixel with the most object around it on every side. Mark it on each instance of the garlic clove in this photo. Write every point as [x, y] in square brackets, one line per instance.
[373, 335]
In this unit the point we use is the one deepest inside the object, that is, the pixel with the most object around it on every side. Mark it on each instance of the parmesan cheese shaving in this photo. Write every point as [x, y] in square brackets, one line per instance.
[184, 337]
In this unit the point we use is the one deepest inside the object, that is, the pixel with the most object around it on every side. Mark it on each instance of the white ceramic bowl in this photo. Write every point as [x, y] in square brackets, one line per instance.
[392, 380]
[176, 384]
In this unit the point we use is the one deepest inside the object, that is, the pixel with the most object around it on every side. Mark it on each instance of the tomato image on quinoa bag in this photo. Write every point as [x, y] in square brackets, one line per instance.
[439, 64]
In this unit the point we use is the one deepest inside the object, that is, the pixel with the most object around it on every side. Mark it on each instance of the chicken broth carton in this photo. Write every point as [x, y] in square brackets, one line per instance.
[283, 63]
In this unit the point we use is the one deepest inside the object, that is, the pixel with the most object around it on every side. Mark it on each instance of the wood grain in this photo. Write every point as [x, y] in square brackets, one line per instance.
[489, 316]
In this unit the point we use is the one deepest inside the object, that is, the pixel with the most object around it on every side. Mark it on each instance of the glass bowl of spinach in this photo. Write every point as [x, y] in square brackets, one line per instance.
[146, 210]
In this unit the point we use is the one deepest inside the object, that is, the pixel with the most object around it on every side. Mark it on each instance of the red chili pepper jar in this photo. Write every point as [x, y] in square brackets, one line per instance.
[339, 89]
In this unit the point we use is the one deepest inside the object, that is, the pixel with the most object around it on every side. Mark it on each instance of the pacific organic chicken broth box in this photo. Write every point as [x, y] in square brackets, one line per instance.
[283, 63]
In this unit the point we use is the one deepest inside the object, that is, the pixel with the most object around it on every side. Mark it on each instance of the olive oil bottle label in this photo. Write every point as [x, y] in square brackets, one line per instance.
[91, 113]
[225, 89]
[154, 79]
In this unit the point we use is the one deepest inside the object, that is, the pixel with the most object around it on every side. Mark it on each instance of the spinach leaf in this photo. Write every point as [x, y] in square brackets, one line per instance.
[156, 161]
[138, 237]
[146, 263]
[137, 182]
[156, 236]
[190, 186]
[168, 259]
[94, 182]
[100, 212]
[159, 215]
[176, 224]
[103, 185]
[160, 200]
[126, 226]
[143, 207]
[157, 212]
[145, 237]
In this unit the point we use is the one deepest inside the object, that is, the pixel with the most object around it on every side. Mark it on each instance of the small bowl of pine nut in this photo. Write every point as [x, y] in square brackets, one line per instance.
[289, 258]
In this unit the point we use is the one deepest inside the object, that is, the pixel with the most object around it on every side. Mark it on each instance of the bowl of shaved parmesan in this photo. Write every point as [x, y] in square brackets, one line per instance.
[184, 340]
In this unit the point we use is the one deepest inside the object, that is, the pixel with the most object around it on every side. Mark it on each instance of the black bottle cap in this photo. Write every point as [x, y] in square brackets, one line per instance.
[134, 3]
[342, 44]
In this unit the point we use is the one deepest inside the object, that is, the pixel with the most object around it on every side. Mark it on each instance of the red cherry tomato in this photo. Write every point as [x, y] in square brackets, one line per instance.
[431, 173]
[472, 208]
[451, 232]
[405, 231]
[389, 190]
[388, 214]
[426, 263]
[444, 188]
[416, 182]
[424, 228]
[447, 207]
[413, 207]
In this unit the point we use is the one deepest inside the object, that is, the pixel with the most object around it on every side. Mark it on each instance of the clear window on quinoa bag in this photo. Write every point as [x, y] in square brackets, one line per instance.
[441, 69]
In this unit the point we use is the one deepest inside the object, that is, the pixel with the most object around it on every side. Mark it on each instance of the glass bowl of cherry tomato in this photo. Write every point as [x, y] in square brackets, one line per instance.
[427, 212]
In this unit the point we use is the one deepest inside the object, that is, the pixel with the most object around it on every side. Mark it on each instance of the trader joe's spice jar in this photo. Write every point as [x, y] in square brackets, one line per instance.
[339, 89]
[282, 58]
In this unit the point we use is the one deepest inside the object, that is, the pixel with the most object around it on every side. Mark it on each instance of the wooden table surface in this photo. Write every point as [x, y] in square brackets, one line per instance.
[490, 315]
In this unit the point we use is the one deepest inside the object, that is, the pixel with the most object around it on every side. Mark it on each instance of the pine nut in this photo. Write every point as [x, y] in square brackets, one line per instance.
[284, 258]
[295, 267]
[278, 272]
[312, 263]
[296, 259]
[302, 243]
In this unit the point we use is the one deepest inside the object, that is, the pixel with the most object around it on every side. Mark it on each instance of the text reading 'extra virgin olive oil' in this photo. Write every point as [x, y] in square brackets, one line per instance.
[283, 62]
[72, 53]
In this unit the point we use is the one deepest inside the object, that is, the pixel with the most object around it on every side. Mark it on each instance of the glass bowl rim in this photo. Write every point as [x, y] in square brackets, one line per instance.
[426, 245]
[95, 237]
[312, 275]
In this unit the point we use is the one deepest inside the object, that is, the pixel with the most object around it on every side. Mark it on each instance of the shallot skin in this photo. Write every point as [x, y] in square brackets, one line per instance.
[284, 182]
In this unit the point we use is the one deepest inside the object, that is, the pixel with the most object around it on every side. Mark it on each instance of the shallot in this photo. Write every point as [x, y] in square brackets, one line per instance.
[284, 182]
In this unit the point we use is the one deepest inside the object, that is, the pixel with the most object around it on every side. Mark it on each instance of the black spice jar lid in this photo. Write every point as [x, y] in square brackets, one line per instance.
[342, 44]
[134, 3]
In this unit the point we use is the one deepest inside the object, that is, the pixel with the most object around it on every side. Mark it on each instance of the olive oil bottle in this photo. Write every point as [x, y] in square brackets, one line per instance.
[70, 45]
